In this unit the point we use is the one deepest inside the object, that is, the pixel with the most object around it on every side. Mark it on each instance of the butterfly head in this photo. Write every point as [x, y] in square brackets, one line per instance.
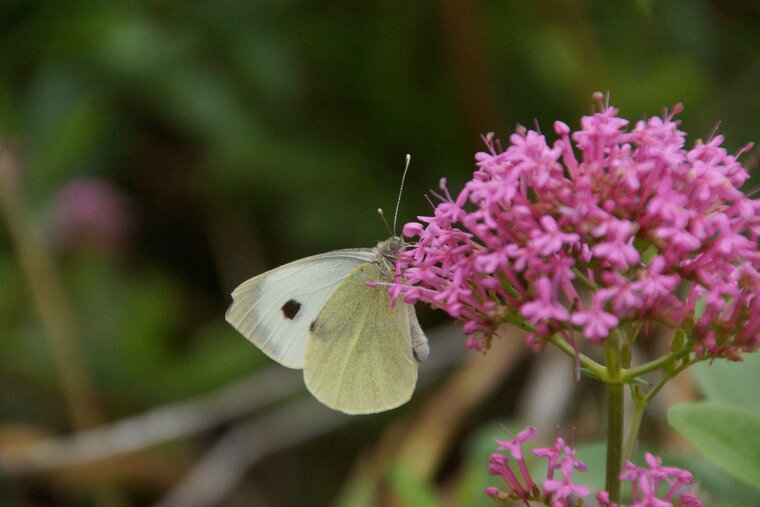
[388, 251]
[391, 247]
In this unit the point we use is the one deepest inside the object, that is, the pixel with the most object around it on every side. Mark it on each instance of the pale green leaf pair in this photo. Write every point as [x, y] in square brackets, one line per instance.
[726, 429]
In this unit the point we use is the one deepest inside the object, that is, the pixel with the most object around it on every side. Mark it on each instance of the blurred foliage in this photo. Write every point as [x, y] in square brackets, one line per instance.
[730, 408]
[247, 134]
[730, 401]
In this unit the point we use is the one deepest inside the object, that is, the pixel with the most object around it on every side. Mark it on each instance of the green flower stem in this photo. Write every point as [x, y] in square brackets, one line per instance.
[599, 370]
[615, 390]
[629, 375]
[625, 351]
[519, 322]
[617, 350]
[664, 380]
[585, 279]
[640, 403]
[625, 355]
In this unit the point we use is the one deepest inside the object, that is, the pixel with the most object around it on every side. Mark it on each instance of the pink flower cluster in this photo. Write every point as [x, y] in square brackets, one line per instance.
[606, 226]
[557, 492]
[656, 485]
[647, 484]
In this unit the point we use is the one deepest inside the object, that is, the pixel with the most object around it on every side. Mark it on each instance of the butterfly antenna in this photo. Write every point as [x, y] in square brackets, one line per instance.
[400, 190]
[382, 216]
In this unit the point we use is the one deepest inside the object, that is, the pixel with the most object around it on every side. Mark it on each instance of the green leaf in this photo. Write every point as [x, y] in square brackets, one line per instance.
[594, 455]
[410, 489]
[731, 382]
[716, 487]
[726, 435]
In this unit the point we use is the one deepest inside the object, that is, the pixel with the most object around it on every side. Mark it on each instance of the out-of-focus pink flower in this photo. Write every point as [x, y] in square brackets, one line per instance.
[594, 231]
[596, 322]
[556, 491]
[562, 458]
[655, 486]
[500, 465]
[545, 306]
[91, 212]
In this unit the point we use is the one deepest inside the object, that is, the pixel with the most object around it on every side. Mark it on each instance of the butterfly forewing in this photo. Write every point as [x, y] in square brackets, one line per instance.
[359, 357]
[274, 310]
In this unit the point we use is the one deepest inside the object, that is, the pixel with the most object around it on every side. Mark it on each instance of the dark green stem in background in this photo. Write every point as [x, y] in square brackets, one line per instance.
[48, 296]
[55, 313]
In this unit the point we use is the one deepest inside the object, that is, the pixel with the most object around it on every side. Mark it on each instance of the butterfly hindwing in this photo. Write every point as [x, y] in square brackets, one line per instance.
[275, 309]
[359, 354]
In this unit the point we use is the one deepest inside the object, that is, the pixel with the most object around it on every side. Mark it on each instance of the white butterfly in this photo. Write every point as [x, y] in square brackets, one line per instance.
[358, 354]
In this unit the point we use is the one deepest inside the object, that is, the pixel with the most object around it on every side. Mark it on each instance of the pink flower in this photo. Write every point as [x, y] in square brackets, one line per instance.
[618, 248]
[91, 212]
[513, 446]
[652, 486]
[559, 492]
[603, 497]
[653, 283]
[616, 216]
[561, 458]
[656, 486]
[549, 238]
[563, 489]
[596, 322]
[546, 307]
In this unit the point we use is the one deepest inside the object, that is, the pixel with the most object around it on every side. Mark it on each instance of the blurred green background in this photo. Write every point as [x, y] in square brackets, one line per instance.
[159, 153]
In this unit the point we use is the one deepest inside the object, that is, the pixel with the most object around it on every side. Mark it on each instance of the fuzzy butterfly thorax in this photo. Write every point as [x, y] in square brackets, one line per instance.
[386, 252]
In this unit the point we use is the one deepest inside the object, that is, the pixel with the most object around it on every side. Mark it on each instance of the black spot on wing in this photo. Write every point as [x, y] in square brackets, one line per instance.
[290, 309]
